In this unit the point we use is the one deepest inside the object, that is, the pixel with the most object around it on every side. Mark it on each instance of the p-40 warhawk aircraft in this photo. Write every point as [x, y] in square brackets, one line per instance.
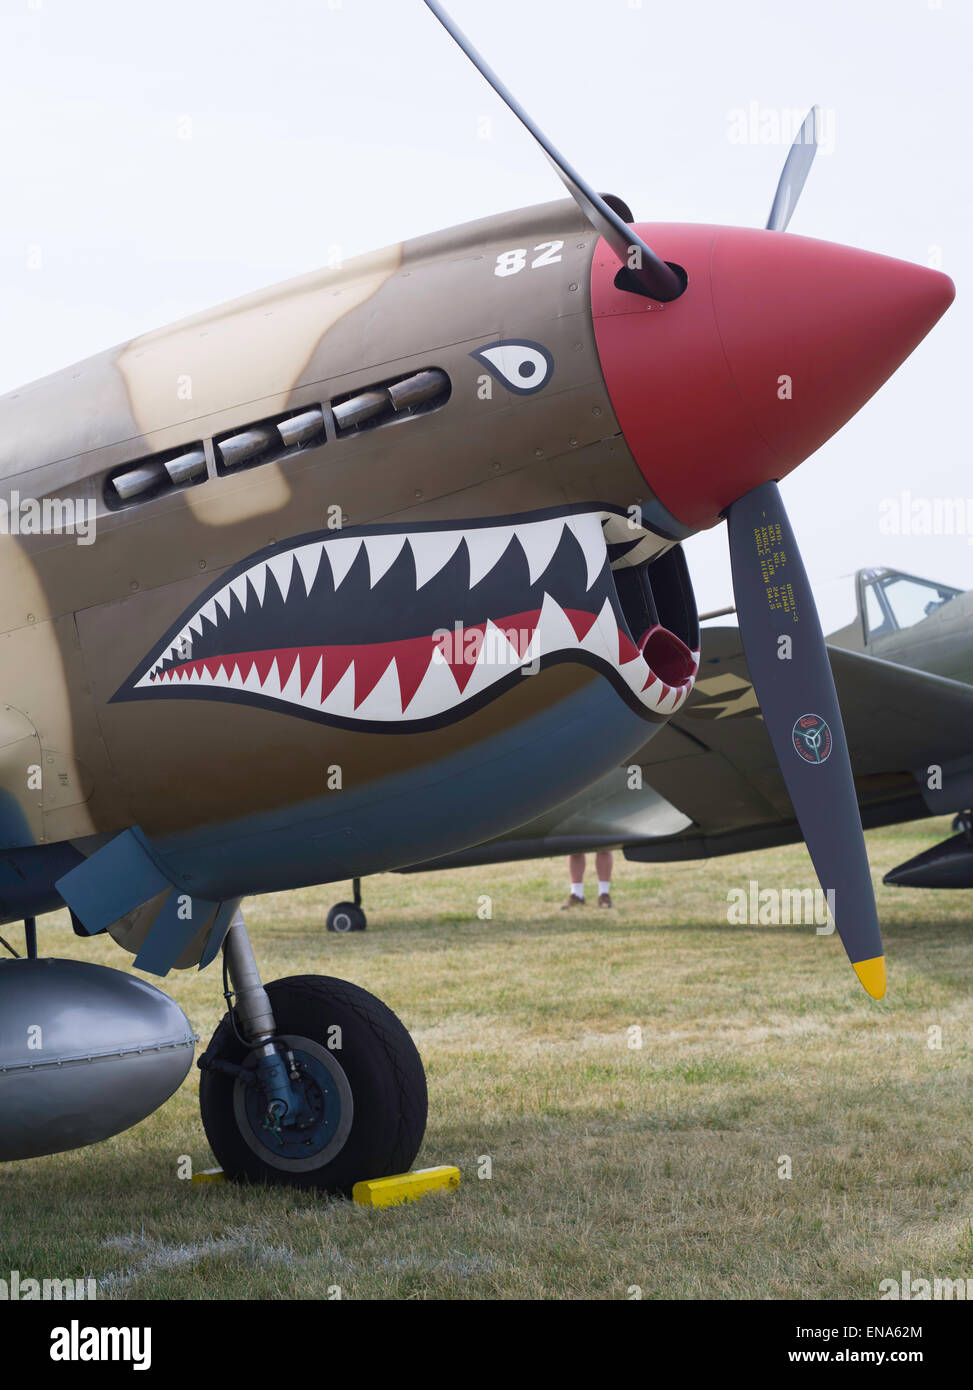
[501, 433]
[710, 784]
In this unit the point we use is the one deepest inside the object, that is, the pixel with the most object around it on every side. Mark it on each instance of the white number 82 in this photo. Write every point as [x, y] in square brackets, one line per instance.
[509, 262]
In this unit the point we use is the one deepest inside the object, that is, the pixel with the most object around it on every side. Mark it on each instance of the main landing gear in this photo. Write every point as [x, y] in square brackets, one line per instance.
[311, 1082]
[348, 916]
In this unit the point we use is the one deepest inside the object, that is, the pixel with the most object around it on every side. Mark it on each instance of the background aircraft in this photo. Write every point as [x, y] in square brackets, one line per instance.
[710, 784]
[387, 559]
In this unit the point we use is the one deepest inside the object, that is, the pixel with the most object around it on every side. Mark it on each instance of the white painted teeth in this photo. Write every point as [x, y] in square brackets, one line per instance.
[308, 558]
[642, 544]
[540, 539]
[439, 690]
[486, 546]
[282, 568]
[554, 631]
[180, 649]
[257, 576]
[382, 552]
[643, 550]
[431, 551]
[238, 586]
[342, 554]
[601, 639]
[587, 531]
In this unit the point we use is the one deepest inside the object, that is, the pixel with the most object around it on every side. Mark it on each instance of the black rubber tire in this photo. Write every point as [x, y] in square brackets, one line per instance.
[350, 912]
[380, 1060]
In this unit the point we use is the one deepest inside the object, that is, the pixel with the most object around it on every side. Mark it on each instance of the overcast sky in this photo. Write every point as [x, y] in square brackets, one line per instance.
[162, 156]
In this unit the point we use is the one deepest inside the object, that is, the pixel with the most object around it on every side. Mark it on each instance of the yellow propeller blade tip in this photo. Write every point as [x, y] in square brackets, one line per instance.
[872, 975]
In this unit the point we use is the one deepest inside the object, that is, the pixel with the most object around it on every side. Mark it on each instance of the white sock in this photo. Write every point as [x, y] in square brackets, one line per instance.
[577, 889]
[604, 886]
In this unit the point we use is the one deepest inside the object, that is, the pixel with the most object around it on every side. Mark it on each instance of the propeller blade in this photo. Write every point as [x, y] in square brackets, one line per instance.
[797, 697]
[647, 273]
[794, 174]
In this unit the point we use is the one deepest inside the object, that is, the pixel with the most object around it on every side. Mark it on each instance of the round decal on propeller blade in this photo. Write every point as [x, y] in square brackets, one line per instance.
[812, 738]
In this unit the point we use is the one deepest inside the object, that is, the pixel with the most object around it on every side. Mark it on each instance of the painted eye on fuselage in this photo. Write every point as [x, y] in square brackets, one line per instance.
[517, 363]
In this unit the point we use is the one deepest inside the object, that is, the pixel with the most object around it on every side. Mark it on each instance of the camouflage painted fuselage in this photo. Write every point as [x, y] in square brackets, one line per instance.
[236, 782]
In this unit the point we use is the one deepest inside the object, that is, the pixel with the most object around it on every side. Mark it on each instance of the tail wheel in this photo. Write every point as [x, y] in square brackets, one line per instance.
[345, 917]
[362, 1081]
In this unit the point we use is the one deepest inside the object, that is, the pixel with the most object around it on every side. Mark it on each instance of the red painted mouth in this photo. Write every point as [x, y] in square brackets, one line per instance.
[317, 671]
[332, 626]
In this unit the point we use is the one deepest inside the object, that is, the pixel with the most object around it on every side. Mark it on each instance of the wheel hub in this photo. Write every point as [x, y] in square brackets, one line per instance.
[318, 1132]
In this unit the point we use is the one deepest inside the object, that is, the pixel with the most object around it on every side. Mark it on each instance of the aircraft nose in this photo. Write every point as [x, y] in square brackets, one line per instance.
[776, 342]
[811, 330]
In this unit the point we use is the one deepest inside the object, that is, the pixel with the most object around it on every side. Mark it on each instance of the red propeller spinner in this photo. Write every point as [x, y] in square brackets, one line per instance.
[776, 342]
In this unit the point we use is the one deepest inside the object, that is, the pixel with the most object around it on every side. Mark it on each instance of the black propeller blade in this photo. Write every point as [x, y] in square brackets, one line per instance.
[648, 274]
[795, 689]
[773, 598]
[794, 174]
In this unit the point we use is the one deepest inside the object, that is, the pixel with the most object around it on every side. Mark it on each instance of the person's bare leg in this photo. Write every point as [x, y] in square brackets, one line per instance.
[604, 861]
[576, 880]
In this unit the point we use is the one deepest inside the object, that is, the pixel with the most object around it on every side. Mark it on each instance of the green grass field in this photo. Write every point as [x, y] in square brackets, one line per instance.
[613, 1166]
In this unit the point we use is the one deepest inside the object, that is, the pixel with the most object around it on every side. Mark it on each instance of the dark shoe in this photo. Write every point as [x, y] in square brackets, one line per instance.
[573, 901]
[604, 900]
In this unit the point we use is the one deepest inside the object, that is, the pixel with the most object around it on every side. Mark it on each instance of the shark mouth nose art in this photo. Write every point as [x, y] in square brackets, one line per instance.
[393, 629]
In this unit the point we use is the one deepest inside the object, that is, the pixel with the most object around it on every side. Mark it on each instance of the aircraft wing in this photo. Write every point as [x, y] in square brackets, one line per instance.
[715, 762]
[709, 779]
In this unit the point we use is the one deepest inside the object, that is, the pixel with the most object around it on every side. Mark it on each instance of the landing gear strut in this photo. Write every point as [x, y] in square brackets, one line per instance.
[30, 939]
[310, 1082]
[345, 917]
